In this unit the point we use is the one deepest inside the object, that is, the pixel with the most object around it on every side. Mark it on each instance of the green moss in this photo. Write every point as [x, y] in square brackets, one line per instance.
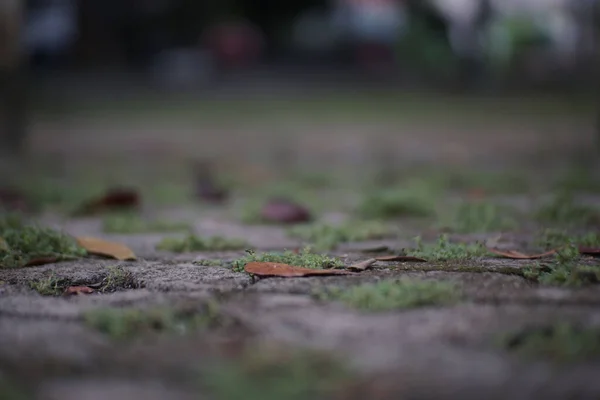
[390, 295]
[117, 278]
[265, 374]
[306, 258]
[327, 237]
[209, 262]
[565, 270]
[562, 342]
[412, 201]
[564, 211]
[131, 223]
[481, 217]
[23, 243]
[122, 324]
[555, 238]
[50, 286]
[192, 243]
[444, 250]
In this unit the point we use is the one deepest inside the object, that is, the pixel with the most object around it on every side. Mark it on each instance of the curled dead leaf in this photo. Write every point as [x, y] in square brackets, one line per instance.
[105, 248]
[363, 265]
[113, 200]
[284, 211]
[287, 271]
[41, 261]
[516, 255]
[589, 251]
[75, 290]
[400, 258]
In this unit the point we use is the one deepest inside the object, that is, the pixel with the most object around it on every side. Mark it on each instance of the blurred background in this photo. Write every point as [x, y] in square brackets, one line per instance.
[300, 83]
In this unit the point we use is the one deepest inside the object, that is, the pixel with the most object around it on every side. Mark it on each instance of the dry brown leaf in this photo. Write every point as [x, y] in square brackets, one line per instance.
[400, 258]
[105, 248]
[74, 290]
[287, 271]
[589, 251]
[516, 255]
[113, 199]
[41, 261]
[361, 266]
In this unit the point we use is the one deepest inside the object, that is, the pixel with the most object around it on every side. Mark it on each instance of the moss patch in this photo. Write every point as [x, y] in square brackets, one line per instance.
[390, 295]
[564, 211]
[192, 243]
[413, 201]
[23, 243]
[481, 217]
[562, 342]
[209, 262]
[327, 237]
[565, 270]
[444, 250]
[122, 324]
[50, 286]
[265, 374]
[305, 258]
[131, 223]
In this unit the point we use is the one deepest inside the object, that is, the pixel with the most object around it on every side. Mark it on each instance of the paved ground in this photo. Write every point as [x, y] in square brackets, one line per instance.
[48, 351]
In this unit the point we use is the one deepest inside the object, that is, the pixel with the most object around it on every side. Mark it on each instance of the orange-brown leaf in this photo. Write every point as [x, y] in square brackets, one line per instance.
[400, 258]
[113, 199]
[41, 261]
[105, 248]
[516, 255]
[286, 270]
[74, 290]
[589, 251]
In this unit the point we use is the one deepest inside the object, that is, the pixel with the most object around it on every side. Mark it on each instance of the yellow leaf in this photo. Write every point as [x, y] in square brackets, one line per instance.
[105, 248]
[4, 245]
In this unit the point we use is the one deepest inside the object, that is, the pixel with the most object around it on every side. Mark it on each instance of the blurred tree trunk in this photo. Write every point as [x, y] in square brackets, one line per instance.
[12, 79]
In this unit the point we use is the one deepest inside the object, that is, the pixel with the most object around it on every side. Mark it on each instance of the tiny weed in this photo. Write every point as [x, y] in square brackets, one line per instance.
[564, 211]
[117, 278]
[194, 243]
[555, 238]
[415, 201]
[326, 237]
[564, 270]
[128, 323]
[131, 223]
[481, 217]
[24, 243]
[563, 342]
[209, 262]
[50, 286]
[274, 375]
[444, 250]
[306, 258]
[390, 295]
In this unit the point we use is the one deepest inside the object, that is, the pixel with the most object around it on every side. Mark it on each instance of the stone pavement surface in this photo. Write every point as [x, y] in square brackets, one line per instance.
[49, 350]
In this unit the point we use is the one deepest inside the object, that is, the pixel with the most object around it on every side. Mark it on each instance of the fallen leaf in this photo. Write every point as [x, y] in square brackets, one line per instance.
[589, 251]
[361, 266]
[376, 249]
[400, 258]
[284, 211]
[13, 200]
[74, 290]
[113, 199]
[105, 248]
[515, 255]
[206, 187]
[287, 271]
[41, 261]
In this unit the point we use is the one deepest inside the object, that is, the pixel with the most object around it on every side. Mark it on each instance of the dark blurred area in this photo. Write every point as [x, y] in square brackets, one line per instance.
[65, 53]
